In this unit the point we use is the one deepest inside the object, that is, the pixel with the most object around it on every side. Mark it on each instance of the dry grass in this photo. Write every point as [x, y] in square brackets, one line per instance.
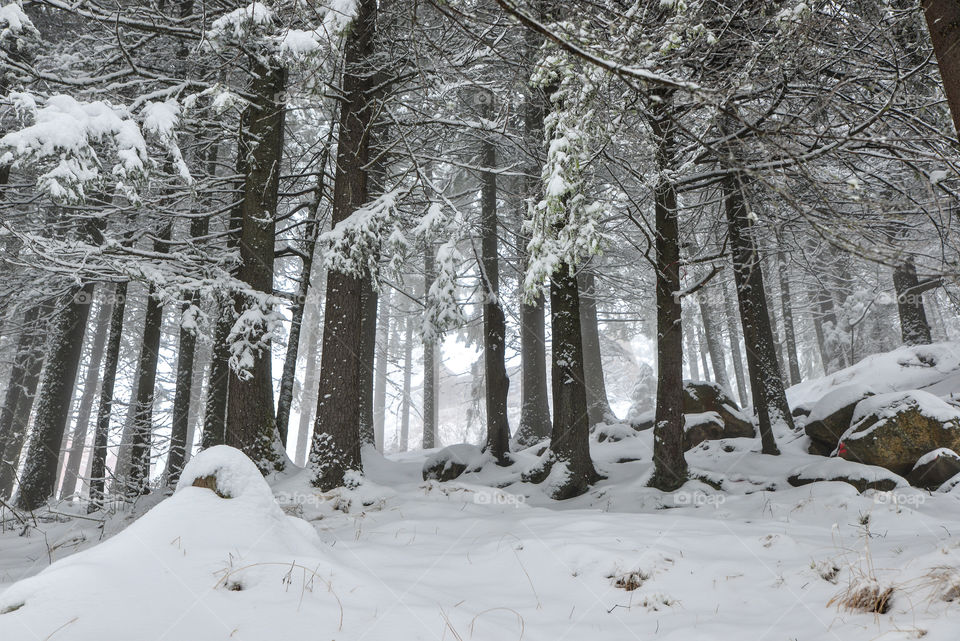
[865, 595]
[630, 581]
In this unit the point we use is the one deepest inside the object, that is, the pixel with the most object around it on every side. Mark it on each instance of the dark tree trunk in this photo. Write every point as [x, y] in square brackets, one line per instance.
[98, 466]
[177, 455]
[336, 436]
[669, 464]
[494, 323]
[380, 373]
[429, 436]
[21, 388]
[534, 406]
[914, 327]
[138, 476]
[766, 382]
[53, 402]
[251, 421]
[736, 355]
[692, 353]
[789, 330]
[101, 324]
[701, 350]
[598, 407]
[943, 22]
[368, 351]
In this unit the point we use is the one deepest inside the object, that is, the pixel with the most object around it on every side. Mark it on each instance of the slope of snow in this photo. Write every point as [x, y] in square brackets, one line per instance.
[395, 558]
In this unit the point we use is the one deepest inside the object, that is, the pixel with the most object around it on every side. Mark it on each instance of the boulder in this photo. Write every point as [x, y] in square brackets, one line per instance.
[452, 461]
[830, 417]
[862, 477]
[934, 469]
[709, 426]
[895, 430]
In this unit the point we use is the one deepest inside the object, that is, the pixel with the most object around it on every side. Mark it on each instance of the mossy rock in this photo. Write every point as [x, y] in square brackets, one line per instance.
[831, 417]
[895, 430]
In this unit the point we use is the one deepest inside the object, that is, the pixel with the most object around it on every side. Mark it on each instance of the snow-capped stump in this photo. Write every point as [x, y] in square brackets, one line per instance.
[227, 472]
[452, 461]
[894, 430]
[934, 469]
[830, 417]
[862, 477]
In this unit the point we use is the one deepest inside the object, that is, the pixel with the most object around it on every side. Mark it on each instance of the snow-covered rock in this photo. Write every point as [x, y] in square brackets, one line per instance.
[452, 461]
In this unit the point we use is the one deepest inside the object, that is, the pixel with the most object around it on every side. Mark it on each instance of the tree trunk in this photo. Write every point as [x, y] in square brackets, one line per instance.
[77, 440]
[769, 399]
[735, 353]
[534, 406]
[368, 351]
[177, 455]
[713, 337]
[251, 421]
[598, 407]
[98, 465]
[404, 440]
[914, 327]
[380, 373]
[494, 323]
[53, 402]
[21, 388]
[336, 437]
[308, 391]
[789, 330]
[138, 476]
[693, 362]
[943, 22]
[669, 464]
[429, 436]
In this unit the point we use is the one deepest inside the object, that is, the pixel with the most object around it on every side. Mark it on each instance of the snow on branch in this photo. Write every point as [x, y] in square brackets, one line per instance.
[354, 246]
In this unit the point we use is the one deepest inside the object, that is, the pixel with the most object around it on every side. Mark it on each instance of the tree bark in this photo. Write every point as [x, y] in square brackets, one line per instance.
[368, 351]
[598, 407]
[429, 435]
[914, 326]
[251, 419]
[92, 378]
[943, 22]
[713, 337]
[380, 373]
[19, 397]
[669, 464]
[53, 402]
[735, 353]
[494, 323]
[98, 466]
[336, 437]
[404, 439]
[766, 382]
[789, 329]
[693, 362]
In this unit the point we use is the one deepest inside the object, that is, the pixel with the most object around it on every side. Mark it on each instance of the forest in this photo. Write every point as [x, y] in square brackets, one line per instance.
[479, 319]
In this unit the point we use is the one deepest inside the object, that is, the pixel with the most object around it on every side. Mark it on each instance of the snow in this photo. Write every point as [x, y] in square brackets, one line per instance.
[837, 399]
[237, 22]
[13, 21]
[832, 468]
[934, 368]
[930, 457]
[888, 405]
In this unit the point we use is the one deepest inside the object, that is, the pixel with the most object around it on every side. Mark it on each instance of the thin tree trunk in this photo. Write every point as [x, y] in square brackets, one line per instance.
[701, 350]
[765, 379]
[21, 388]
[177, 455]
[914, 326]
[713, 337]
[429, 436]
[53, 402]
[788, 326]
[380, 374]
[669, 464]
[494, 323]
[367, 350]
[693, 362]
[598, 407]
[98, 466]
[735, 353]
[404, 441]
[336, 436]
[308, 398]
[77, 440]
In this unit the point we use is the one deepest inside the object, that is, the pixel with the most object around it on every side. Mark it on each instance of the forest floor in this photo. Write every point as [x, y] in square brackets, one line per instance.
[397, 558]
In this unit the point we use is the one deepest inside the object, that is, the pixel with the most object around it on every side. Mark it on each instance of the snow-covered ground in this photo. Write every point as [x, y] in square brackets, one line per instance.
[737, 553]
[397, 558]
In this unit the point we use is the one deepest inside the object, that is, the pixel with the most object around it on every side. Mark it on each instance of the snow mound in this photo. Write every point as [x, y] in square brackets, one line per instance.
[194, 567]
[838, 469]
[934, 368]
[839, 398]
[893, 403]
